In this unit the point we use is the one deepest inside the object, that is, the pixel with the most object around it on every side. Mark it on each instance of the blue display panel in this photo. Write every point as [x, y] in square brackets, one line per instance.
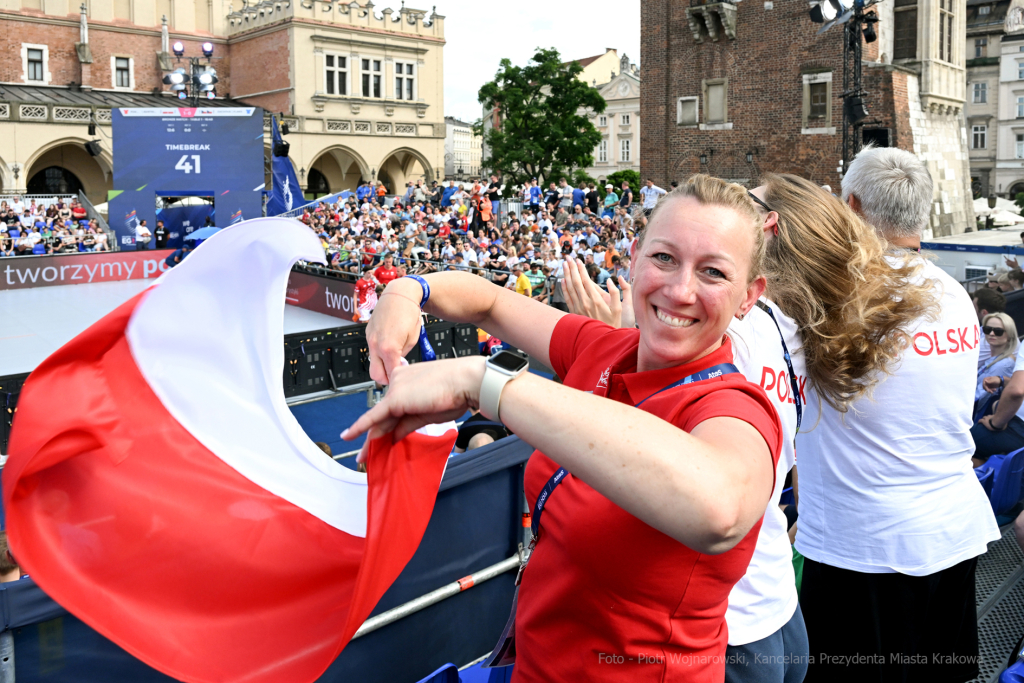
[177, 151]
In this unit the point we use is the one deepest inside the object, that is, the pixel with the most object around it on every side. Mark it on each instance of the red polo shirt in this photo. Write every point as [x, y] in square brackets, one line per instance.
[605, 596]
[385, 275]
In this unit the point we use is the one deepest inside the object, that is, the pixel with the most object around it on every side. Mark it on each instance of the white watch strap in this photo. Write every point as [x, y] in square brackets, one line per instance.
[490, 392]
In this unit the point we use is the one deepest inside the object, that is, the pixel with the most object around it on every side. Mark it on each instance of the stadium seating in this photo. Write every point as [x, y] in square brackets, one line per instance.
[1006, 471]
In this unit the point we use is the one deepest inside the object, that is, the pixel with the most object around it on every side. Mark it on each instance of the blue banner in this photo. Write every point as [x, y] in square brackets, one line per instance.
[182, 220]
[178, 151]
[286, 192]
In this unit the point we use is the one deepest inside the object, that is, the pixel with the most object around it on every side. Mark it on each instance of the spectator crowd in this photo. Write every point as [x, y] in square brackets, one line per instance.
[461, 227]
[57, 227]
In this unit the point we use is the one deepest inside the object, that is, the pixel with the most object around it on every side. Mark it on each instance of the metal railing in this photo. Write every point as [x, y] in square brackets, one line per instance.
[414, 261]
[95, 215]
[40, 199]
[436, 596]
[974, 284]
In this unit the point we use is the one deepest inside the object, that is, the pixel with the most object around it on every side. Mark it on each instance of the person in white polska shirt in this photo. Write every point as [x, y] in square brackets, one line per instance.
[650, 193]
[892, 517]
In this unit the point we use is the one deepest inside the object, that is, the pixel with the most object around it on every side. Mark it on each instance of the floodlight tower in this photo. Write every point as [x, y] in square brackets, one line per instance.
[196, 81]
[858, 27]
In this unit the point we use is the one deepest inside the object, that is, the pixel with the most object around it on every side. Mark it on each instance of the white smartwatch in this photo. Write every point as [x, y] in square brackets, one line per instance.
[502, 368]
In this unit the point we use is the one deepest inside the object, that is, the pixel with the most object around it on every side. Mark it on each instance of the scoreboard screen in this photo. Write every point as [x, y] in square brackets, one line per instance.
[182, 151]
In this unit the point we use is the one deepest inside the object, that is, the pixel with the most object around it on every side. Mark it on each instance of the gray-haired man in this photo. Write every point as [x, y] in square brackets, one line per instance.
[892, 517]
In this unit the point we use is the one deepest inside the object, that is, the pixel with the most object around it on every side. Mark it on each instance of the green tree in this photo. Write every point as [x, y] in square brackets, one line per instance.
[1019, 200]
[580, 175]
[543, 129]
[631, 177]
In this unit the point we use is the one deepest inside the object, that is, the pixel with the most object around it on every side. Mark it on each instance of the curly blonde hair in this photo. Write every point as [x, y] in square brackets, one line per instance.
[851, 297]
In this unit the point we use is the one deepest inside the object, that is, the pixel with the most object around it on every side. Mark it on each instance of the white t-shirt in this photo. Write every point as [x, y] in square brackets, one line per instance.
[1017, 367]
[650, 195]
[765, 598]
[889, 486]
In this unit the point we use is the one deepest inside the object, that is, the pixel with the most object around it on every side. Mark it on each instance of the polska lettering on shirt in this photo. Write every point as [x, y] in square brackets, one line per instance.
[956, 340]
[778, 380]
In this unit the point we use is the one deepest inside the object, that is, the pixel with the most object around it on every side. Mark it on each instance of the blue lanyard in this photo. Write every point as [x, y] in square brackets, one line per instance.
[426, 350]
[559, 476]
[793, 382]
[712, 372]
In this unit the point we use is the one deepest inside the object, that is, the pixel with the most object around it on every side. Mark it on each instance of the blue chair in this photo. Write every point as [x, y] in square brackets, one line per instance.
[1007, 471]
[449, 673]
[985, 475]
[39, 248]
[1014, 672]
[477, 674]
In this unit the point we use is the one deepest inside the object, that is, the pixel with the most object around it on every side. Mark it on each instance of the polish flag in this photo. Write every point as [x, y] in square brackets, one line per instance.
[159, 488]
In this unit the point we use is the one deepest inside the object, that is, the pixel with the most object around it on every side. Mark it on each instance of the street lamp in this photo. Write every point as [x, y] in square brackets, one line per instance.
[991, 206]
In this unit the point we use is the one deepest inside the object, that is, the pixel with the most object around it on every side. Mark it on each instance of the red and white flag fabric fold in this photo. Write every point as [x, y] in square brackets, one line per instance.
[159, 488]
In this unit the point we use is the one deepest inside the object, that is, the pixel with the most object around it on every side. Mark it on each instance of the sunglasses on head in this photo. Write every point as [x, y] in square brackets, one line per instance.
[997, 331]
[757, 200]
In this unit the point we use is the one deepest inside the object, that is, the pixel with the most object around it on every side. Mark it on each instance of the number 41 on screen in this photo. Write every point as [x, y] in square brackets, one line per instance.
[184, 165]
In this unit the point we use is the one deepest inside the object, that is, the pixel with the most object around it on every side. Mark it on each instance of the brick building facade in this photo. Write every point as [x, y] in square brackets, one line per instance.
[360, 88]
[731, 81]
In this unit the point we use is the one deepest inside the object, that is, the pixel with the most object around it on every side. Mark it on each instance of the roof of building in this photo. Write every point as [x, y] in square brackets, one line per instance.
[71, 96]
[457, 122]
[587, 61]
[996, 16]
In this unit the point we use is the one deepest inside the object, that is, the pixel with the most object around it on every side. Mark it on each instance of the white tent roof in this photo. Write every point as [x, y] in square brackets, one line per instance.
[1006, 218]
[981, 206]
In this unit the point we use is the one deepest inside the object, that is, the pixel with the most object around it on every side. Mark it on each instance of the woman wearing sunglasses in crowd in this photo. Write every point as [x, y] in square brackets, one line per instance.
[670, 453]
[1001, 334]
[819, 255]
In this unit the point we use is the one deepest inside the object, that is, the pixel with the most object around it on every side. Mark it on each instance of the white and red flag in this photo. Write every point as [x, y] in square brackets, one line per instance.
[159, 488]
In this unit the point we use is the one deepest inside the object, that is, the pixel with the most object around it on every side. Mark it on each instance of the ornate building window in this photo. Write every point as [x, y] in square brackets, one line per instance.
[335, 74]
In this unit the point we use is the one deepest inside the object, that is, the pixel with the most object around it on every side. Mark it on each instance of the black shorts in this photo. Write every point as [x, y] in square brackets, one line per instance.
[890, 628]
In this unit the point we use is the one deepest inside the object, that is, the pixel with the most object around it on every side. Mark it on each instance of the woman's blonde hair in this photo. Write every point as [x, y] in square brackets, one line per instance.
[1011, 335]
[711, 191]
[852, 301]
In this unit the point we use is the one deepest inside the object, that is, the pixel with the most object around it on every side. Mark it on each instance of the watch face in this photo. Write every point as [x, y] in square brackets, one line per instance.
[508, 361]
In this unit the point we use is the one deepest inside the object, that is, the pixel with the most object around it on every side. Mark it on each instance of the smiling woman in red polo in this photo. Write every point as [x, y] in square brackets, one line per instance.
[655, 458]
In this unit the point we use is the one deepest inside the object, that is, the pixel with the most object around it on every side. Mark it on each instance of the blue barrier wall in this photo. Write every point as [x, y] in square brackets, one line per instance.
[476, 523]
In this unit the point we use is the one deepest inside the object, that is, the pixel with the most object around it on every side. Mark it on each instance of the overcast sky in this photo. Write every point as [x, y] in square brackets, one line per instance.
[481, 34]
